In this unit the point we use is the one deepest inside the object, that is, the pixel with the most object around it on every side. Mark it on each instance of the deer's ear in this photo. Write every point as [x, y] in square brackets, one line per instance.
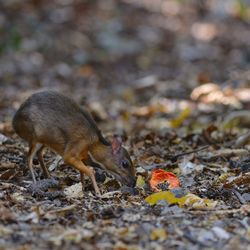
[116, 144]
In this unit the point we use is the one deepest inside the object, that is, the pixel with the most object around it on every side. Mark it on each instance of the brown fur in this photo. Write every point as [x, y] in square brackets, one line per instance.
[56, 121]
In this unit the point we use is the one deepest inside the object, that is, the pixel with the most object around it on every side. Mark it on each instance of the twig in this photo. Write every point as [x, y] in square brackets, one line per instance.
[9, 185]
[174, 158]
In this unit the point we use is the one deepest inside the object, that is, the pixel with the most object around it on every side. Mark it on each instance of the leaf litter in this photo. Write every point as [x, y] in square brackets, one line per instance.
[163, 85]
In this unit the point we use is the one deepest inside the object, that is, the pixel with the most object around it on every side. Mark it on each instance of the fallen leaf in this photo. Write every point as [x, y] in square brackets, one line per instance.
[158, 234]
[140, 182]
[177, 122]
[189, 200]
[212, 93]
[220, 233]
[3, 139]
[205, 89]
[188, 167]
[74, 191]
[224, 177]
[17, 197]
[160, 176]
[8, 174]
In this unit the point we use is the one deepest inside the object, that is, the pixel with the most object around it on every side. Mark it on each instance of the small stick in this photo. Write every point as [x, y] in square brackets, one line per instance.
[174, 158]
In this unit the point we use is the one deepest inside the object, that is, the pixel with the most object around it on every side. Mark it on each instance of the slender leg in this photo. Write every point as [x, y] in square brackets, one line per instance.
[42, 164]
[31, 153]
[82, 181]
[79, 165]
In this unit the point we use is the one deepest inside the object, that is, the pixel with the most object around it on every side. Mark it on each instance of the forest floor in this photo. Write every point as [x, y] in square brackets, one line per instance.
[170, 77]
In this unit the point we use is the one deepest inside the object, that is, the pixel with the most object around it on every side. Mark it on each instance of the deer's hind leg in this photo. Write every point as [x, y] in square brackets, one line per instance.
[31, 153]
[41, 161]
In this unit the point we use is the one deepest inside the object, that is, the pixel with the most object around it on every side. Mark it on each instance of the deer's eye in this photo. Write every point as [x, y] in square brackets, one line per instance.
[125, 164]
